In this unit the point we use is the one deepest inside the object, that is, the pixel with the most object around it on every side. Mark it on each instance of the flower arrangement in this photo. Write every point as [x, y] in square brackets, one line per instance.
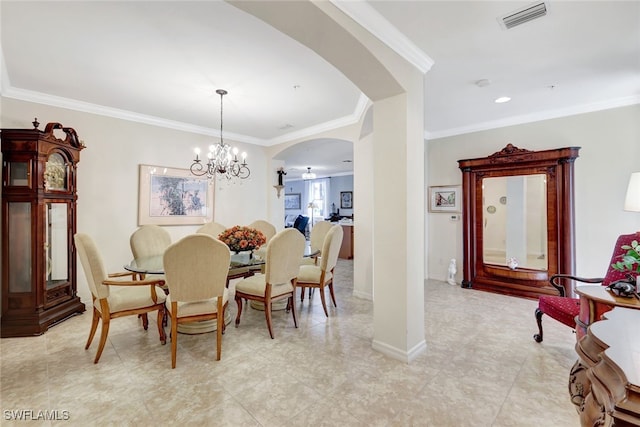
[240, 238]
[630, 260]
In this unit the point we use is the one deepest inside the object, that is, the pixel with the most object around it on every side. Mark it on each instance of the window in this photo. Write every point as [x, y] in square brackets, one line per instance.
[317, 196]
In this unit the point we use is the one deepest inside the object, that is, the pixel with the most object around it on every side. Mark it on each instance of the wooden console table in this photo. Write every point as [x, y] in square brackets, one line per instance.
[609, 353]
[596, 302]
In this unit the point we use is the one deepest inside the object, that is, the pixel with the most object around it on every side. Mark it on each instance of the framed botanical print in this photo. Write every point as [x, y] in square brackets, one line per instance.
[170, 196]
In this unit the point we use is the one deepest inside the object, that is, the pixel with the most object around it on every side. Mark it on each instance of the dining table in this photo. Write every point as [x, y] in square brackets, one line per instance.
[242, 265]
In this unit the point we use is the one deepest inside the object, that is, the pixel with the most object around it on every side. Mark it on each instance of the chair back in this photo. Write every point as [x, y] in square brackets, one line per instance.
[213, 229]
[92, 265]
[331, 248]
[318, 233]
[268, 229]
[618, 252]
[196, 268]
[283, 256]
[149, 240]
[300, 223]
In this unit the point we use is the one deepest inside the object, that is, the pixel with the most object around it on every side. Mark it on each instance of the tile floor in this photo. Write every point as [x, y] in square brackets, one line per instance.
[481, 368]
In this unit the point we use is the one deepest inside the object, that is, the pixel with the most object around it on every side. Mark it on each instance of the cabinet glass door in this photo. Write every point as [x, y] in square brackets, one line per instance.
[18, 174]
[56, 244]
[19, 226]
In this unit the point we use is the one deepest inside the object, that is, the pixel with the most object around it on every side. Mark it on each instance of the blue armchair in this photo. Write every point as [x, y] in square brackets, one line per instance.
[301, 224]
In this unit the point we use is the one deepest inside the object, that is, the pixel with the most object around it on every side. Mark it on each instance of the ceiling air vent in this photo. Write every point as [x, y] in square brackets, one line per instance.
[521, 16]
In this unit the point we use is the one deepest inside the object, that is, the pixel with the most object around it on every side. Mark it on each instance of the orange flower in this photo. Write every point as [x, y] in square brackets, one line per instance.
[240, 238]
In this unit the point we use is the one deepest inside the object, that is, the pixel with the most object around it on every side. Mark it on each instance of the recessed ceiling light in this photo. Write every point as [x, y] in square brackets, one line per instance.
[483, 82]
[502, 100]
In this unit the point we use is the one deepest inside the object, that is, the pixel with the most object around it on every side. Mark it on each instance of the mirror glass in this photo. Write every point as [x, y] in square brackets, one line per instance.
[56, 244]
[515, 221]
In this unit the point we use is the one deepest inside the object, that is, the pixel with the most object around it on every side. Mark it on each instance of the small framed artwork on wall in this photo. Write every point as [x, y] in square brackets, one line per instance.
[292, 201]
[346, 200]
[445, 198]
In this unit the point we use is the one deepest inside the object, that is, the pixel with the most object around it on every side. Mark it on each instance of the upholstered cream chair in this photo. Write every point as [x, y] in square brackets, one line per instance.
[113, 296]
[316, 240]
[319, 276]
[269, 230]
[148, 241]
[213, 229]
[279, 279]
[196, 269]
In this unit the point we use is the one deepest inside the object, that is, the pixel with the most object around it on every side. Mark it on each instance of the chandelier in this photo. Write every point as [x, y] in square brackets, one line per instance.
[308, 174]
[222, 159]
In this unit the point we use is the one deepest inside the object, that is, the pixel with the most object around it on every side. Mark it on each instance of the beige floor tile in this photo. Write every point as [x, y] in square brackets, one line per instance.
[481, 368]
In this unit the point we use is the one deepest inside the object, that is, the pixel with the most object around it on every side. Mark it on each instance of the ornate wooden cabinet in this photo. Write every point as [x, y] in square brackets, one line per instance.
[518, 220]
[38, 224]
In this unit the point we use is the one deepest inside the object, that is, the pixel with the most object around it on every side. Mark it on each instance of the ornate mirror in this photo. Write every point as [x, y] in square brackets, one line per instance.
[518, 220]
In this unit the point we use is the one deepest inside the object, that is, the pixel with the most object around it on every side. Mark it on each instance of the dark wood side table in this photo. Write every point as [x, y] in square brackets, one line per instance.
[596, 302]
[610, 351]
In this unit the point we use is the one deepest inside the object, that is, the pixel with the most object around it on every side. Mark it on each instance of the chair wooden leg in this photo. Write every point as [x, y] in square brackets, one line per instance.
[94, 327]
[174, 333]
[239, 304]
[220, 320]
[267, 315]
[302, 294]
[538, 336]
[162, 314]
[333, 296]
[103, 337]
[293, 311]
[145, 321]
[324, 301]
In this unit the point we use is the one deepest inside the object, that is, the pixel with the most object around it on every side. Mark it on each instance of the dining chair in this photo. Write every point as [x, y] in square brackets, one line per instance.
[149, 240]
[278, 282]
[321, 276]
[196, 269]
[266, 228]
[213, 229]
[113, 295]
[316, 240]
[564, 307]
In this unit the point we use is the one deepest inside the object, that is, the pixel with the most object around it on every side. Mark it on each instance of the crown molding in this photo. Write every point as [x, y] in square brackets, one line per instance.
[313, 131]
[86, 107]
[536, 117]
[376, 24]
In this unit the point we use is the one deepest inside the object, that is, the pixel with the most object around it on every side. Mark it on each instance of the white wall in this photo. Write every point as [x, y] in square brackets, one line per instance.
[610, 142]
[108, 175]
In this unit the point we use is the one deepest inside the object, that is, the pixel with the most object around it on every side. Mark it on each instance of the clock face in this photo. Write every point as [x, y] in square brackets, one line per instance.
[55, 173]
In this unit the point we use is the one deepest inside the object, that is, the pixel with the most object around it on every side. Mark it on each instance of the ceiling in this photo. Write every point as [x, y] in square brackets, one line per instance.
[160, 62]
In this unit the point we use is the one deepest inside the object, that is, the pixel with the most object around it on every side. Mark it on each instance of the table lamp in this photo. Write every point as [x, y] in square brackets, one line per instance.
[632, 201]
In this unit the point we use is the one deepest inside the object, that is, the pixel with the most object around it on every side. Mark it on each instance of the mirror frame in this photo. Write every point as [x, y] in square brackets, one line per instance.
[558, 167]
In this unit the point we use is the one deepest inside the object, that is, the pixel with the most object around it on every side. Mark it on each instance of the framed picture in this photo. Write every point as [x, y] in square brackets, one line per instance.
[445, 198]
[292, 201]
[169, 196]
[346, 200]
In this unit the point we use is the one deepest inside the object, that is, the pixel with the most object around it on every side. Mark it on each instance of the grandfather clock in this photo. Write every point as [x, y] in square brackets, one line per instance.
[38, 225]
